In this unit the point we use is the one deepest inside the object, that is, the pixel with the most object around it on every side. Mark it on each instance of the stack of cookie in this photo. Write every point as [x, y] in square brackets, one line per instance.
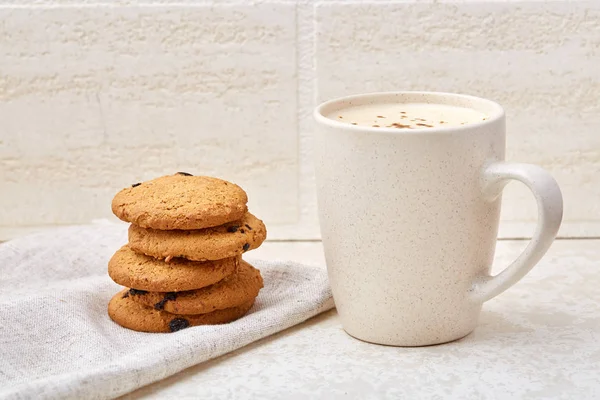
[182, 266]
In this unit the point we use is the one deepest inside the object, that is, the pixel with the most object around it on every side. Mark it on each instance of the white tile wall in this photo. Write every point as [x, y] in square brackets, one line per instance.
[540, 60]
[95, 96]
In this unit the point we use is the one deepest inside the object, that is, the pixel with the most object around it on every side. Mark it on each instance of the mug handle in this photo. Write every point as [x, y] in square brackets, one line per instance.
[550, 210]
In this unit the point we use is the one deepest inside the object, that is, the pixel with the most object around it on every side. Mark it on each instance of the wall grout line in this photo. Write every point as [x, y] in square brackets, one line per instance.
[292, 241]
[202, 3]
[133, 4]
[499, 240]
[305, 102]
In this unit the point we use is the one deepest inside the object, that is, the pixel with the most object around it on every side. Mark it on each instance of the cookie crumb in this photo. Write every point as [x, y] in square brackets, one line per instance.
[380, 116]
[168, 258]
[184, 174]
[135, 185]
[178, 324]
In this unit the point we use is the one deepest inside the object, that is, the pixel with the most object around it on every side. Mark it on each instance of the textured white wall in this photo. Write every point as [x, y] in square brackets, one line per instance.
[96, 96]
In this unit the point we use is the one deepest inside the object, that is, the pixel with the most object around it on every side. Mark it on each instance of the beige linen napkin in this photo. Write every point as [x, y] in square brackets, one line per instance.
[57, 341]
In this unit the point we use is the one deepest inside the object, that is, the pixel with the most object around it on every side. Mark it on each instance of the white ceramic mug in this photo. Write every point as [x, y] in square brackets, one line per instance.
[409, 219]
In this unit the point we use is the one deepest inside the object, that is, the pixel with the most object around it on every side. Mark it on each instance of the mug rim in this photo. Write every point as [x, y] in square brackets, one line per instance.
[495, 117]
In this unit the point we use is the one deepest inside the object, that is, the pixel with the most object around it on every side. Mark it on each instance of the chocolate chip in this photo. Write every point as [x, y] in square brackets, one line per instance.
[126, 295]
[232, 228]
[170, 296]
[184, 174]
[178, 324]
[160, 305]
[248, 226]
[136, 185]
[242, 231]
[246, 246]
[135, 292]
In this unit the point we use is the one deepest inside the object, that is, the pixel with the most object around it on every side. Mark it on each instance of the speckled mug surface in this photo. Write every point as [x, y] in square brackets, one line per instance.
[409, 219]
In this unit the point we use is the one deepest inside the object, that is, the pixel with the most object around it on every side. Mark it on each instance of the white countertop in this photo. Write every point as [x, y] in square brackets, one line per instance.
[538, 340]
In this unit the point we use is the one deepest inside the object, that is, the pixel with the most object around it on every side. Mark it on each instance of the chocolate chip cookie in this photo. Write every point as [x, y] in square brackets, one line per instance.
[227, 240]
[133, 315]
[181, 201]
[139, 271]
[232, 291]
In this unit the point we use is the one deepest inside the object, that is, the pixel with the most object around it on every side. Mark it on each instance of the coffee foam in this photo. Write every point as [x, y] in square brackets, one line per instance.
[408, 115]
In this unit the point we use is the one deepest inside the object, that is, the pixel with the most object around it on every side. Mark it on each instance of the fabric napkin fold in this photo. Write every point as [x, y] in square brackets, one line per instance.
[57, 341]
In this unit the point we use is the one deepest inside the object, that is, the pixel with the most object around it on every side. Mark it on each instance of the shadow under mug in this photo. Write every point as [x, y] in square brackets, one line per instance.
[409, 219]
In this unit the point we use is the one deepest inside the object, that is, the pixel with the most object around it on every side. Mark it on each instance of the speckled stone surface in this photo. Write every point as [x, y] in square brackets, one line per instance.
[537, 341]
